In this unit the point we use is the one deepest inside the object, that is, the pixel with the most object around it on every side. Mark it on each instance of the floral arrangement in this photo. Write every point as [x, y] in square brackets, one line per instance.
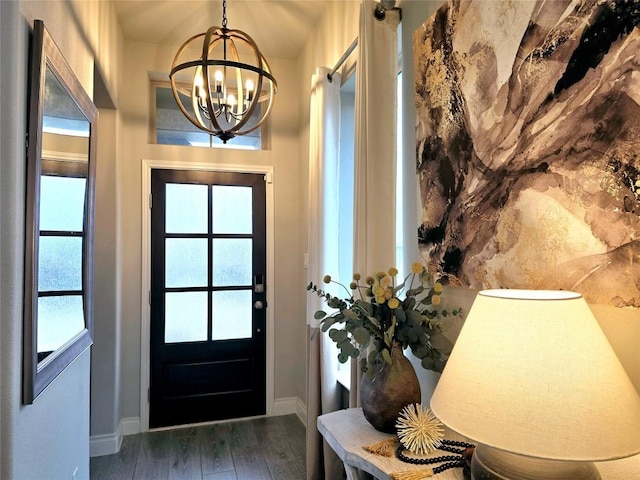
[381, 313]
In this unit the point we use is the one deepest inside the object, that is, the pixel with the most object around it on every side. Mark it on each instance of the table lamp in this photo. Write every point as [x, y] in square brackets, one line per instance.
[534, 382]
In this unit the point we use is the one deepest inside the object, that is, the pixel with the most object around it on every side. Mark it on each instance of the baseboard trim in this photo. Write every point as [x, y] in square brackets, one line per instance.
[110, 443]
[284, 406]
[107, 444]
[130, 425]
[301, 411]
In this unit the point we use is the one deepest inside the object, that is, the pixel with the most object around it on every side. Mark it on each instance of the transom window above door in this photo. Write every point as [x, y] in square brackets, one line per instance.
[170, 127]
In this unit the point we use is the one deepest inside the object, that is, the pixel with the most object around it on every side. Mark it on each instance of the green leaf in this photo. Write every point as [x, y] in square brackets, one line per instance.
[319, 315]
[327, 322]
[364, 306]
[342, 358]
[349, 313]
[428, 363]
[361, 335]
[421, 351]
[386, 355]
[414, 316]
[338, 335]
[371, 358]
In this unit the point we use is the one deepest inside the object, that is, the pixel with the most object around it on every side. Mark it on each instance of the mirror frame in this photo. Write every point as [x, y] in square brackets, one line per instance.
[38, 375]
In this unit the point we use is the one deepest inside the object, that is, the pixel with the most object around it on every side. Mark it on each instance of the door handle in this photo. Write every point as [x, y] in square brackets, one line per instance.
[259, 305]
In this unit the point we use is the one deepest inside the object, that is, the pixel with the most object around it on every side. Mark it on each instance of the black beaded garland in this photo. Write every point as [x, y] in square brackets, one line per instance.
[460, 449]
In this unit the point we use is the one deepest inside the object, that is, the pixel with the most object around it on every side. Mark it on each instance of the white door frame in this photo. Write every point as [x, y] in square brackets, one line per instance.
[147, 166]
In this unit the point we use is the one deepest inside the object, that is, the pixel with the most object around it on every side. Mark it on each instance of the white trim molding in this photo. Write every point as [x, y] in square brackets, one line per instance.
[110, 443]
[147, 166]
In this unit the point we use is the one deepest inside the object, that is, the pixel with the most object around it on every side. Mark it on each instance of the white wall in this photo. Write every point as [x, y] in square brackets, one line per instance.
[49, 439]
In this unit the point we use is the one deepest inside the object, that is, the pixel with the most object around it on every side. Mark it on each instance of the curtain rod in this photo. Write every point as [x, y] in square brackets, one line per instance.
[344, 56]
[379, 13]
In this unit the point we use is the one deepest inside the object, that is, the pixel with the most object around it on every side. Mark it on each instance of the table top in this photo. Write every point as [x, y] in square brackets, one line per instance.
[347, 431]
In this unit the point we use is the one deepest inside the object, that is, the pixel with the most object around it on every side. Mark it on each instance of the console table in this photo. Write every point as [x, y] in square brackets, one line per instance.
[347, 431]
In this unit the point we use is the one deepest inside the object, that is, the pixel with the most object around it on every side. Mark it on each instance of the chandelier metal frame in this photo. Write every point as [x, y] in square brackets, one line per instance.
[221, 103]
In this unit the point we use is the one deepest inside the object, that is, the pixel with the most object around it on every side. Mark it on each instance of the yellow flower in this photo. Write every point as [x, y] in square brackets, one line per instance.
[380, 275]
[385, 281]
[437, 287]
[388, 294]
[379, 300]
[370, 281]
[378, 290]
[435, 300]
[327, 279]
[417, 268]
[393, 303]
[356, 276]
[353, 285]
[393, 271]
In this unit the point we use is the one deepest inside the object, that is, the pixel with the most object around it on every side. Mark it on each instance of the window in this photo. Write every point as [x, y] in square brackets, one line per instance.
[347, 173]
[169, 126]
[399, 184]
[345, 196]
[346, 193]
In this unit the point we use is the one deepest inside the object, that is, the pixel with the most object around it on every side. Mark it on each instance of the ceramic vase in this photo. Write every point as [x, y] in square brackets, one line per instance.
[388, 391]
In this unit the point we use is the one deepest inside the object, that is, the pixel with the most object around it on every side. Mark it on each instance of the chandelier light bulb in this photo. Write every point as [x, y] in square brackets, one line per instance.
[249, 87]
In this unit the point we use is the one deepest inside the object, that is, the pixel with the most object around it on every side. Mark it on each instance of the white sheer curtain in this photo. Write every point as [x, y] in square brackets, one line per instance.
[374, 206]
[375, 149]
[323, 395]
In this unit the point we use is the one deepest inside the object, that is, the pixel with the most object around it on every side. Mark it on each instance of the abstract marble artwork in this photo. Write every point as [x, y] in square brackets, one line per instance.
[528, 144]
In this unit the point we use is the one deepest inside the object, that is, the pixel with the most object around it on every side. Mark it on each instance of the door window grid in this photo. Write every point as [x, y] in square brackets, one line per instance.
[227, 291]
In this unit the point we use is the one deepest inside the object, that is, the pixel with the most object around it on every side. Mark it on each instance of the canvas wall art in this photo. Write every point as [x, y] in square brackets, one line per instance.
[528, 137]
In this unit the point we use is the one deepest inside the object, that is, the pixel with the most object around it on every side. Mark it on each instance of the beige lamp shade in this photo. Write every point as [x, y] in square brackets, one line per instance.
[532, 373]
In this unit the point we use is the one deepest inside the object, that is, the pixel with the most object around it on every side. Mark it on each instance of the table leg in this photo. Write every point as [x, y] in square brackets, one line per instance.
[356, 474]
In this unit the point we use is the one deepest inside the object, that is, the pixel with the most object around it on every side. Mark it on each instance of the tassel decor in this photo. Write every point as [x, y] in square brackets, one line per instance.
[385, 448]
[412, 474]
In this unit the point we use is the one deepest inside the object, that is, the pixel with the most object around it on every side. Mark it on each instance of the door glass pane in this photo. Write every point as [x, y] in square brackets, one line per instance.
[185, 317]
[62, 203]
[232, 314]
[186, 208]
[59, 319]
[186, 262]
[59, 264]
[239, 218]
[232, 261]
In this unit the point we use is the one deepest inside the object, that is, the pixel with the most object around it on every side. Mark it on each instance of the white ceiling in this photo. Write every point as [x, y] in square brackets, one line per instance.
[279, 27]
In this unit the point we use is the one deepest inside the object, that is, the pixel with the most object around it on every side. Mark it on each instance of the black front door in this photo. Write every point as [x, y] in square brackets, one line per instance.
[208, 270]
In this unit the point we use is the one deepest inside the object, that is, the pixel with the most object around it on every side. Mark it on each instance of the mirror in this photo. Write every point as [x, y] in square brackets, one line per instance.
[58, 303]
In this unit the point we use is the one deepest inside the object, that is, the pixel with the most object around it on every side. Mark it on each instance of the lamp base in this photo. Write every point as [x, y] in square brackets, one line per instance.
[492, 464]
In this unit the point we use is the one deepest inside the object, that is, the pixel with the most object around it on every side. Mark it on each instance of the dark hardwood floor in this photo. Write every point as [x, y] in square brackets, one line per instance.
[271, 448]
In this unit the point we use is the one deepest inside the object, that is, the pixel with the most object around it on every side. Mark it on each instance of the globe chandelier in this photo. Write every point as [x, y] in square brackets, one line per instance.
[228, 81]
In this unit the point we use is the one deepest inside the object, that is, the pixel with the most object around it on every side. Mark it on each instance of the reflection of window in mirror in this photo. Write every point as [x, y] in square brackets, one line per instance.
[169, 126]
[63, 183]
[60, 305]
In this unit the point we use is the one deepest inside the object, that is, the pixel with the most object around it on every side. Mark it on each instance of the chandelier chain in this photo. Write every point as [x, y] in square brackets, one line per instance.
[224, 13]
